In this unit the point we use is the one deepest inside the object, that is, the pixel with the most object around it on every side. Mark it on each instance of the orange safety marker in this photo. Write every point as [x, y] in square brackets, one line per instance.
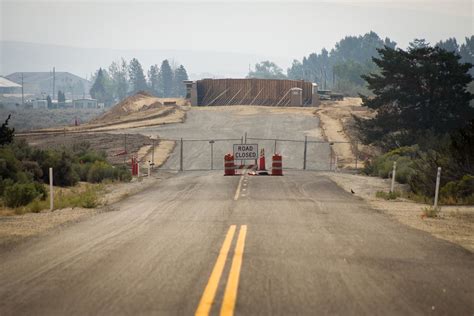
[229, 167]
[277, 165]
[262, 160]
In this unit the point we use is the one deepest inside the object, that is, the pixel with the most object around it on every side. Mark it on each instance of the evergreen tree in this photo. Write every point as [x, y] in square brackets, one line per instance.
[137, 77]
[467, 53]
[61, 97]
[154, 79]
[6, 133]
[451, 45]
[165, 80]
[180, 75]
[417, 91]
[119, 79]
[49, 102]
[99, 89]
[267, 70]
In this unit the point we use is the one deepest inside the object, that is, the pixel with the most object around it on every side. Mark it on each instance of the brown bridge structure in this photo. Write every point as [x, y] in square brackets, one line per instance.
[252, 91]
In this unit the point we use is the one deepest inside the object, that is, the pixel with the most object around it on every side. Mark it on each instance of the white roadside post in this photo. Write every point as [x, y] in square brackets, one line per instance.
[51, 193]
[138, 169]
[394, 171]
[438, 177]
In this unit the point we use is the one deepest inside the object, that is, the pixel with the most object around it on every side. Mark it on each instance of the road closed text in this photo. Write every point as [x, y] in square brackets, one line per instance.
[245, 151]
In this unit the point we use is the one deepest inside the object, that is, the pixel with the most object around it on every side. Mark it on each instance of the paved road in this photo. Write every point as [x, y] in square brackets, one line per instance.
[201, 242]
[310, 248]
[233, 124]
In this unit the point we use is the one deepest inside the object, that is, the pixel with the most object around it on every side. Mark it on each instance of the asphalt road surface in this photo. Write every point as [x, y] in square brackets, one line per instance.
[199, 242]
[230, 126]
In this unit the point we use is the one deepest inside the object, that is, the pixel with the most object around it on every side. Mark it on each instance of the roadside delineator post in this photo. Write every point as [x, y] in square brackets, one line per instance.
[305, 150]
[181, 167]
[51, 191]
[438, 178]
[394, 171]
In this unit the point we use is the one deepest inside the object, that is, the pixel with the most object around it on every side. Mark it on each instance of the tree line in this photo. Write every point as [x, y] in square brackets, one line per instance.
[341, 68]
[424, 119]
[123, 78]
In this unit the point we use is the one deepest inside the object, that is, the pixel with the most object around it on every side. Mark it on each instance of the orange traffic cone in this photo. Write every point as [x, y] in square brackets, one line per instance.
[262, 160]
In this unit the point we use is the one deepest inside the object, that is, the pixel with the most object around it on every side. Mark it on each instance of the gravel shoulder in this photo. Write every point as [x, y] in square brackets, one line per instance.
[455, 223]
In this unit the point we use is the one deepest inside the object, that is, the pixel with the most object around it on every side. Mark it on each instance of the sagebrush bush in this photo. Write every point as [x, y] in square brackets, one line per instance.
[20, 194]
[388, 195]
[458, 192]
[382, 166]
[100, 171]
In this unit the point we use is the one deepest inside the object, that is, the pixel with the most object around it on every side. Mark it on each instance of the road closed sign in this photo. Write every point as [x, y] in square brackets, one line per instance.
[245, 151]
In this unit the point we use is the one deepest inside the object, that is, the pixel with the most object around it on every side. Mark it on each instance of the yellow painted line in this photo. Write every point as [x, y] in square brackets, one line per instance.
[230, 295]
[236, 196]
[207, 298]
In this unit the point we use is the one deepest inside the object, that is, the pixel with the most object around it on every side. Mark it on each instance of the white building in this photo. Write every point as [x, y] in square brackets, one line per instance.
[40, 104]
[85, 104]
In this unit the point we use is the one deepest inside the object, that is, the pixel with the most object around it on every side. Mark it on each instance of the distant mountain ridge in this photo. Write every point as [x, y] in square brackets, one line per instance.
[30, 57]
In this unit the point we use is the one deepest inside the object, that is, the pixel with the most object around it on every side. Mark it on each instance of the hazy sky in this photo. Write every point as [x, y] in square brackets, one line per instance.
[286, 29]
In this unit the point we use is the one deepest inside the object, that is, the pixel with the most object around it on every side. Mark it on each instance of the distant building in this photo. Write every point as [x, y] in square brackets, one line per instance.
[41, 84]
[39, 104]
[85, 104]
[9, 87]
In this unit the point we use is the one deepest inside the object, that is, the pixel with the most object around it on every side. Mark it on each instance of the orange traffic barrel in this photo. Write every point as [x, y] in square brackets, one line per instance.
[277, 165]
[229, 167]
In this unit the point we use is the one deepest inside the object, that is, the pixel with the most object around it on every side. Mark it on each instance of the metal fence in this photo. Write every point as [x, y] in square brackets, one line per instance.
[208, 154]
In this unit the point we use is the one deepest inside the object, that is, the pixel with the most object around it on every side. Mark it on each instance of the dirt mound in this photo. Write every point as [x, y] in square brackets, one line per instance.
[141, 101]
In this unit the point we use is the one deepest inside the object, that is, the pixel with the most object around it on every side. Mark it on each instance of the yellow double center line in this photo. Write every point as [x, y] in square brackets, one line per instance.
[230, 294]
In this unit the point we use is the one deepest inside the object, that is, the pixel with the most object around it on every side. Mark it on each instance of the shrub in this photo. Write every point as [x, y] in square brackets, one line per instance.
[20, 194]
[100, 171]
[382, 166]
[387, 195]
[82, 170]
[33, 168]
[431, 211]
[461, 191]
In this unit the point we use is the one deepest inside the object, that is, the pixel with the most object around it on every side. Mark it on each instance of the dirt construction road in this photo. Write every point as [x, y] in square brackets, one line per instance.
[198, 242]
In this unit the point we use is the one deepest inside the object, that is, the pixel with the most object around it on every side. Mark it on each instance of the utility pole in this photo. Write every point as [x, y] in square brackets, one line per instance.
[22, 92]
[54, 82]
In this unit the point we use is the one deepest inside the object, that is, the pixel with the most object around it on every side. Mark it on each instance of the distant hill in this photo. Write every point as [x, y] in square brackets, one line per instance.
[20, 56]
[41, 83]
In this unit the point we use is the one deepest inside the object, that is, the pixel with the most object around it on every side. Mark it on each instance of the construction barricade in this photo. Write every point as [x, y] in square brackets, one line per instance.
[229, 166]
[277, 165]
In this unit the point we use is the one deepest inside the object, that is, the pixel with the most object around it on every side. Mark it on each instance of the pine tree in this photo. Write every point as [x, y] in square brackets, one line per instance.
[154, 79]
[137, 77]
[119, 79]
[99, 89]
[6, 133]
[419, 90]
[166, 80]
[49, 101]
[61, 97]
[180, 75]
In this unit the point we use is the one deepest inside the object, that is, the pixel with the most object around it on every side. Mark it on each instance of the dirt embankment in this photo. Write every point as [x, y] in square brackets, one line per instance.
[337, 125]
[139, 110]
